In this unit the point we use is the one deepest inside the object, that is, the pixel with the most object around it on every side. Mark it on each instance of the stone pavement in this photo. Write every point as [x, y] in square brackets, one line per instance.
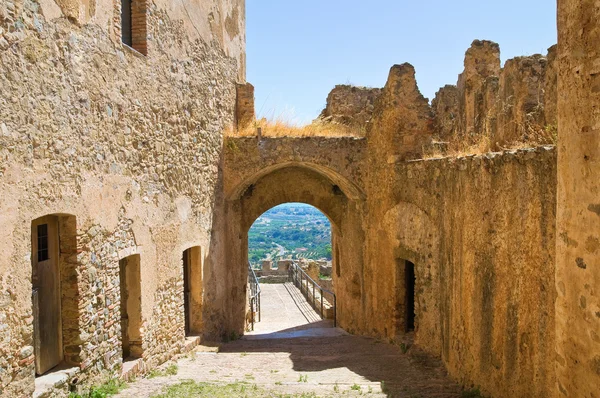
[292, 352]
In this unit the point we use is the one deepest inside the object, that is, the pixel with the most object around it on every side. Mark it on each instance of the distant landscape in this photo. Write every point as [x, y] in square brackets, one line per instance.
[291, 230]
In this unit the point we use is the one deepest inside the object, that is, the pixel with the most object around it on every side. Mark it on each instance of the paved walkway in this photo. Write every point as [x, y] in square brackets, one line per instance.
[293, 352]
[287, 314]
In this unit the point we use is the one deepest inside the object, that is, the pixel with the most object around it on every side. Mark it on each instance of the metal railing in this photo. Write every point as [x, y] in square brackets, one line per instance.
[254, 297]
[298, 276]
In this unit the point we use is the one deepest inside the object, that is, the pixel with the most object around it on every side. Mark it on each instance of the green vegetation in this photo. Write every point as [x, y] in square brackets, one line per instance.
[473, 393]
[292, 230]
[111, 387]
[192, 389]
[171, 370]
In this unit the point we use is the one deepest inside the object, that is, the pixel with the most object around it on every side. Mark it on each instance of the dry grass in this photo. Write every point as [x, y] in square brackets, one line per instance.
[281, 128]
[463, 146]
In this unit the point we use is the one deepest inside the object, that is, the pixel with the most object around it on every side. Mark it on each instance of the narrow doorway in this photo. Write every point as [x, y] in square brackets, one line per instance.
[192, 290]
[410, 296]
[47, 322]
[186, 289]
[405, 296]
[131, 307]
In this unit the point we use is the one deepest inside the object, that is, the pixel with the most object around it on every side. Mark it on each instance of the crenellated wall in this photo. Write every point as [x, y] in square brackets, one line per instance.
[508, 105]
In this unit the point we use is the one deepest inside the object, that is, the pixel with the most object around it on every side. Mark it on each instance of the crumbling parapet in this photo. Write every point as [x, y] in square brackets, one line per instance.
[402, 118]
[520, 103]
[350, 105]
[516, 103]
[476, 86]
[445, 110]
[244, 109]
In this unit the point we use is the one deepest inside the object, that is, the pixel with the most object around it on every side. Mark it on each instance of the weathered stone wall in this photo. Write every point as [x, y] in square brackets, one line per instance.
[578, 216]
[128, 145]
[445, 109]
[516, 103]
[244, 114]
[477, 86]
[350, 105]
[480, 231]
[402, 119]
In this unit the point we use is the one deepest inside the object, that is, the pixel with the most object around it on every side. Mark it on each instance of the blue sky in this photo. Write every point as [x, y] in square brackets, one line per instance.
[298, 50]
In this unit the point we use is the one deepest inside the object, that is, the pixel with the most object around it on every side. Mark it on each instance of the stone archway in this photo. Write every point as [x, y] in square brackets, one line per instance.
[339, 199]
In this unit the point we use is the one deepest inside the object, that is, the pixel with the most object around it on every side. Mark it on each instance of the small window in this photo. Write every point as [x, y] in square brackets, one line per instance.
[126, 22]
[133, 24]
[42, 243]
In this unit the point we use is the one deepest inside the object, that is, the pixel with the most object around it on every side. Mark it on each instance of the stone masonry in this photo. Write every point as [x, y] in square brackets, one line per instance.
[123, 150]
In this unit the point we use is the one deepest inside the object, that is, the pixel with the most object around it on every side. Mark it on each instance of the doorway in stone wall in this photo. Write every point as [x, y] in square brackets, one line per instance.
[47, 320]
[56, 314]
[291, 239]
[131, 307]
[405, 297]
[192, 290]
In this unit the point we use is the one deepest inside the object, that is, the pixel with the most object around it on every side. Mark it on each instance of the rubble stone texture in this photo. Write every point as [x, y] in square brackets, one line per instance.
[244, 114]
[477, 86]
[402, 118]
[516, 103]
[127, 151]
[126, 144]
[578, 216]
[445, 109]
[350, 105]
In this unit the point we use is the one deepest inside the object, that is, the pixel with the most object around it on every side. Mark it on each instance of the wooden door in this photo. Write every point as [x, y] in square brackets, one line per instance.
[46, 294]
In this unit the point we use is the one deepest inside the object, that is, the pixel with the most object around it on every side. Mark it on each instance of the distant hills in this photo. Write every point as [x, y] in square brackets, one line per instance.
[291, 230]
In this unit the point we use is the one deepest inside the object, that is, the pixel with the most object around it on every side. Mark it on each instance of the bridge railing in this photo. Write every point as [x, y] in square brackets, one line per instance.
[306, 284]
[254, 297]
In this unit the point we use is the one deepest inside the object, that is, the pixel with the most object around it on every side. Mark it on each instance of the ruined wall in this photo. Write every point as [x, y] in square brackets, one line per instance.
[129, 145]
[516, 103]
[480, 231]
[402, 122]
[446, 111]
[350, 105]
[477, 86]
[578, 215]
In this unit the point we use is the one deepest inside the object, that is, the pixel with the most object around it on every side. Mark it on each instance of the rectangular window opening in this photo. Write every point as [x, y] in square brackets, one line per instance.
[42, 241]
[126, 32]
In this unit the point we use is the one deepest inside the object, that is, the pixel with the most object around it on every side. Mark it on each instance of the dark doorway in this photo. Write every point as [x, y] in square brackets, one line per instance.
[131, 307]
[186, 289]
[410, 296]
[192, 290]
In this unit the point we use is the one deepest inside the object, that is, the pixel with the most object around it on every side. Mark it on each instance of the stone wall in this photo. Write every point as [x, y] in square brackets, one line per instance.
[244, 114]
[516, 103]
[480, 231]
[578, 216]
[350, 105]
[129, 146]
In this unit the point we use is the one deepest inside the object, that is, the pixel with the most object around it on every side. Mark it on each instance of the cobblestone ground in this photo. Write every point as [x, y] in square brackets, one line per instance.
[307, 357]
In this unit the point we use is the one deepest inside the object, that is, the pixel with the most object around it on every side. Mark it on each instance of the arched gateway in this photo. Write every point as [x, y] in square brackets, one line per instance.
[250, 191]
